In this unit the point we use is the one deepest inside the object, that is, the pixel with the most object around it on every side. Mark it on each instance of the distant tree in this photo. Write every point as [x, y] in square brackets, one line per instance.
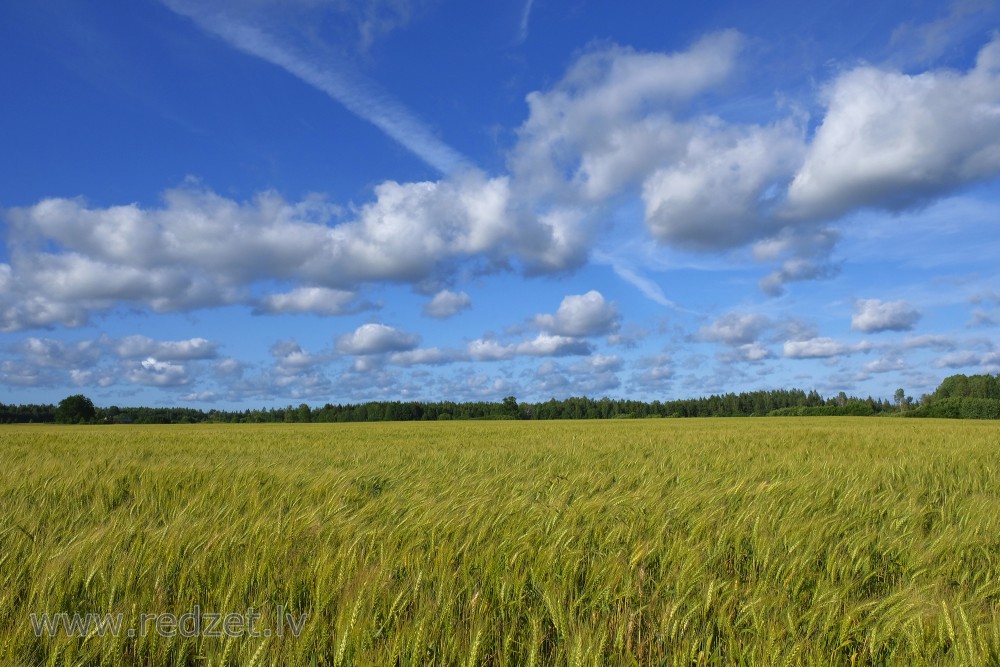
[75, 409]
[510, 408]
[900, 397]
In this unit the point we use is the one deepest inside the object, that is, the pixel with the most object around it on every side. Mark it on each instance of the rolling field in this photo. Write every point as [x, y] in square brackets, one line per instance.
[719, 542]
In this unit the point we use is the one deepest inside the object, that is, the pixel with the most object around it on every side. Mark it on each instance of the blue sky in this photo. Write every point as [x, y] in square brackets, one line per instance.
[243, 203]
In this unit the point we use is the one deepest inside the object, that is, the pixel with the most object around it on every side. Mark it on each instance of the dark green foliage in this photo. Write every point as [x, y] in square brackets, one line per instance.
[75, 409]
[958, 397]
[746, 404]
[27, 414]
[968, 386]
[963, 397]
[960, 408]
[851, 408]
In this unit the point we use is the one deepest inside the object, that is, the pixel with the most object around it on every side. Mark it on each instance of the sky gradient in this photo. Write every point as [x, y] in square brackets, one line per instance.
[238, 204]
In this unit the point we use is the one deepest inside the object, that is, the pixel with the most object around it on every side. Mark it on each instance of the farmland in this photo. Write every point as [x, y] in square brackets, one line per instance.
[808, 541]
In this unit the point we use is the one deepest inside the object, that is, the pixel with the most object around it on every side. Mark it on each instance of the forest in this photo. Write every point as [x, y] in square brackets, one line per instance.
[958, 396]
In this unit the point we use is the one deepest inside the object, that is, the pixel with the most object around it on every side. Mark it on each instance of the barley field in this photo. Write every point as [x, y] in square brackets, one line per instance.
[801, 541]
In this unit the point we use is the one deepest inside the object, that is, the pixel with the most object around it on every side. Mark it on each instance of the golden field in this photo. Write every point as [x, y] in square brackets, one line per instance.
[769, 541]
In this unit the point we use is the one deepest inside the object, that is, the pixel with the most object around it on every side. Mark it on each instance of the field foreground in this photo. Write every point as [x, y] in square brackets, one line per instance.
[728, 541]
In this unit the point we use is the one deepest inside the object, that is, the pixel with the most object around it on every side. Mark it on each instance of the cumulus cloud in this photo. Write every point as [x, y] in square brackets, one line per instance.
[547, 345]
[429, 356]
[619, 123]
[200, 396]
[656, 372]
[754, 352]
[891, 140]
[735, 328]
[52, 353]
[873, 315]
[373, 338]
[959, 360]
[445, 303]
[885, 365]
[543, 345]
[936, 341]
[596, 125]
[886, 140]
[592, 375]
[201, 249]
[156, 373]
[291, 359]
[821, 348]
[133, 347]
[598, 362]
[981, 318]
[581, 315]
[315, 300]
[804, 254]
[724, 190]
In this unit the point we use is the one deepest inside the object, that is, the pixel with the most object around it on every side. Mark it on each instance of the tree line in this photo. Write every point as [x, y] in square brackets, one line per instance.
[958, 396]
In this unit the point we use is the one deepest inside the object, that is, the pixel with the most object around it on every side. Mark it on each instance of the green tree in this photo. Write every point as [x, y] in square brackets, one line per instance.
[510, 408]
[75, 409]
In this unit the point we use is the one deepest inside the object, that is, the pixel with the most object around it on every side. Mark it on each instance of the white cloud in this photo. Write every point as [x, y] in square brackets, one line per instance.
[885, 365]
[599, 363]
[596, 120]
[936, 341]
[446, 303]
[543, 345]
[959, 360]
[981, 318]
[200, 396]
[619, 122]
[657, 372]
[581, 315]
[735, 328]
[891, 140]
[316, 300]
[873, 315]
[92, 378]
[821, 348]
[229, 368]
[722, 192]
[133, 347]
[291, 359]
[200, 249]
[156, 373]
[804, 252]
[22, 374]
[57, 354]
[431, 356]
[375, 338]
[591, 375]
[753, 352]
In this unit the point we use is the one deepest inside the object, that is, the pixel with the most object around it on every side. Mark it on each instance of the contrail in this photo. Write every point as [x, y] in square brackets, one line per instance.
[522, 33]
[648, 288]
[363, 98]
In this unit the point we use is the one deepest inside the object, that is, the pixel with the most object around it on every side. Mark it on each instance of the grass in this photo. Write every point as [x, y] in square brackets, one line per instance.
[809, 541]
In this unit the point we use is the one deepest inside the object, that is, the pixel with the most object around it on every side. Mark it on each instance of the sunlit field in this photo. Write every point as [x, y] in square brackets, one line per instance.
[720, 542]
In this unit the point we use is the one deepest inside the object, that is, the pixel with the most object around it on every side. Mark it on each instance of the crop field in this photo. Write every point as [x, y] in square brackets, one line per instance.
[812, 541]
